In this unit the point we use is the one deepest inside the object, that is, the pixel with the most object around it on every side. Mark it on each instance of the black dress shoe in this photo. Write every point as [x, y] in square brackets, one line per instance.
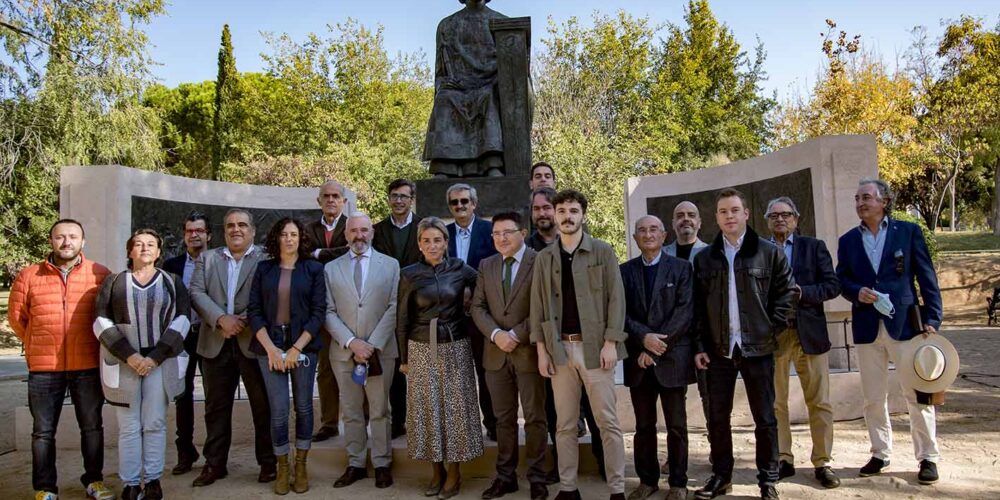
[209, 474]
[785, 469]
[769, 493]
[398, 431]
[350, 476]
[498, 489]
[539, 491]
[874, 467]
[568, 495]
[827, 477]
[184, 463]
[715, 486]
[152, 491]
[268, 473]
[383, 477]
[325, 433]
[928, 472]
[617, 496]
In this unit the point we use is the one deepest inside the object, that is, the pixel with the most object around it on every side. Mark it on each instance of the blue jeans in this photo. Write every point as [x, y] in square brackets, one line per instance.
[46, 392]
[142, 431]
[276, 383]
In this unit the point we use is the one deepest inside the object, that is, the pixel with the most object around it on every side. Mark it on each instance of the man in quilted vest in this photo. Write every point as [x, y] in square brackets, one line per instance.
[52, 310]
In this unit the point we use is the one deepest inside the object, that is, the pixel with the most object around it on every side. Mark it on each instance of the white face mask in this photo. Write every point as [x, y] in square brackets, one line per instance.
[883, 305]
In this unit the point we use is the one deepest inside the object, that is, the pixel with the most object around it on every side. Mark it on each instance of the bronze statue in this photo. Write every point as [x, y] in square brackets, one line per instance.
[464, 136]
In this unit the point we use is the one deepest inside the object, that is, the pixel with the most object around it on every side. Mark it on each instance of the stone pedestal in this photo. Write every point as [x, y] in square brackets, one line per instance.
[496, 194]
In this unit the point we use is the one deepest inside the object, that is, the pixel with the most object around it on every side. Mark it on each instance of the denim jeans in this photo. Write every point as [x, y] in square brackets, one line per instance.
[142, 432]
[276, 384]
[46, 392]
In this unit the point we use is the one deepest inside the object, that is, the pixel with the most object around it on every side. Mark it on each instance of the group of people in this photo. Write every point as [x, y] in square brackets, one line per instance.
[414, 326]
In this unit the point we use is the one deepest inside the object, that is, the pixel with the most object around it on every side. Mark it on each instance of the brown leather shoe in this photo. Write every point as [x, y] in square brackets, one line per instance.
[350, 476]
[383, 477]
[209, 474]
[268, 473]
[301, 482]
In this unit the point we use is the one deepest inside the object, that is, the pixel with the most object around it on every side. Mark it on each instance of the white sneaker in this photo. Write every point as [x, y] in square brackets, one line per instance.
[98, 491]
[46, 495]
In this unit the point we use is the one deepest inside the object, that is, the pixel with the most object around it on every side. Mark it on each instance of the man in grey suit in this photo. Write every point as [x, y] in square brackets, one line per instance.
[500, 308]
[220, 292]
[361, 288]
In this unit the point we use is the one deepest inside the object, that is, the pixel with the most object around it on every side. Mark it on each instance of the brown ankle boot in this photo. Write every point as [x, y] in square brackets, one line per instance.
[281, 482]
[301, 483]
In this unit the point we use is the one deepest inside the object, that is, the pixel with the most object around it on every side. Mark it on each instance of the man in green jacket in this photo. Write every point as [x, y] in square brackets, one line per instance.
[581, 339]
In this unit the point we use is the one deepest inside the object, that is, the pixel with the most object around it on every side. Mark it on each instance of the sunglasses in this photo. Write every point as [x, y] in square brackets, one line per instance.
[459, 201]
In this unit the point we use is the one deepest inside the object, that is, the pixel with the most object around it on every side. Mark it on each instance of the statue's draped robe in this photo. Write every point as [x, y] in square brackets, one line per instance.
[465, 121]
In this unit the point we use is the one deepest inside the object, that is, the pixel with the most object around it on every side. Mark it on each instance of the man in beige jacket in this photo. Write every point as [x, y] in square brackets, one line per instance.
[579, 341]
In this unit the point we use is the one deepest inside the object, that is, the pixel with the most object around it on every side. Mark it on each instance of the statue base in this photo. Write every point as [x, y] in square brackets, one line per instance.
[496, 194]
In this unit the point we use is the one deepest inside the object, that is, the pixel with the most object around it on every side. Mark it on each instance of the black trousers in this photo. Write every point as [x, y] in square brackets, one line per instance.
[222, 375]
[185, 403]
[508, 388]
[596, 446]
[397, 400]
[485, 402]
[702, 377]
[672, 402]
[758, 379]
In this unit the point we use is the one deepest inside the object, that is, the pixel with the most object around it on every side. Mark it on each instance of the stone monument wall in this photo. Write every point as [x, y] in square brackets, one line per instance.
[112, 201]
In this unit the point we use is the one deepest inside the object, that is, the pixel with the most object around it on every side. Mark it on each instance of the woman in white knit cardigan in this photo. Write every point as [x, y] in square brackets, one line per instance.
[142, 319]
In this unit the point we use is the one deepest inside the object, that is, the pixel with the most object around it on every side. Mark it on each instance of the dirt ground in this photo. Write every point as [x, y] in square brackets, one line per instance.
[968, 427]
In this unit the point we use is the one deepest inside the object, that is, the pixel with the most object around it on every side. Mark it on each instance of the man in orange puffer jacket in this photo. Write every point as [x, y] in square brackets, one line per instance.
[51, 309]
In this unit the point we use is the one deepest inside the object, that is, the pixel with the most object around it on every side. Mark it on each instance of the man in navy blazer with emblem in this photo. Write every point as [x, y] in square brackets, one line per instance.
[469, 239]
[660, 363]
[806, 341]
[884, 256]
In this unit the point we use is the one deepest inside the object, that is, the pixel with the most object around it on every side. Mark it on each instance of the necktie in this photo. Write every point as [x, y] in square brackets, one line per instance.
[508, 270]
[357, 273]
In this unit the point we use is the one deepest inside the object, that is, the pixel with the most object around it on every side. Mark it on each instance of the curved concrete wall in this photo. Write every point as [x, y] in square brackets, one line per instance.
[102, 198]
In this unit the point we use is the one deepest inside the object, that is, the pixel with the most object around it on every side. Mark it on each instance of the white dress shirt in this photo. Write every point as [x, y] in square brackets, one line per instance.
[234, 276]
[735, 328]
[189, 263]
[409, 219]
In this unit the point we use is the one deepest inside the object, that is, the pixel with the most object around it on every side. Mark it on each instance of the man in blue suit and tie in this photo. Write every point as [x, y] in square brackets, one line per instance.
[877, 263]
[470, 239]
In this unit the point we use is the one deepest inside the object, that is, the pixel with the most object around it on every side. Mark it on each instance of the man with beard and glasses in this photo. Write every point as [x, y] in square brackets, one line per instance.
[396, 236]
[197, 235]
[361, 289]
[581, 339]
[51, 310]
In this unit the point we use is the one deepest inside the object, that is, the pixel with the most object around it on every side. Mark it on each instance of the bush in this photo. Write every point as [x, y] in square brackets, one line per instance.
[929, 236]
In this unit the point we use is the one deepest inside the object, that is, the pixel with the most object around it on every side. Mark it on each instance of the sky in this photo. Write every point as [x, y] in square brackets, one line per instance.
[185, 41]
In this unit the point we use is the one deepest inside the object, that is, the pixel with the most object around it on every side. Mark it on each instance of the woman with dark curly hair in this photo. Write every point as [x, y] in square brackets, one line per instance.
[286, 309]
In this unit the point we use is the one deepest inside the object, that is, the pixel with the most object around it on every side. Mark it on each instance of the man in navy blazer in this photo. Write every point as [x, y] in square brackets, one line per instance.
[659, 309]
[197, 235]
[805, 343]
[884, 256]
[470, 239]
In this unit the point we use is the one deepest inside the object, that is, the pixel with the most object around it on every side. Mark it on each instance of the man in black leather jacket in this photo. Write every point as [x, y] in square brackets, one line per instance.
[747, 293]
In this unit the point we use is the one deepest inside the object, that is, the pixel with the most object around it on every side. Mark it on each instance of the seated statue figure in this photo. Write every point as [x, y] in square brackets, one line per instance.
[464, 137]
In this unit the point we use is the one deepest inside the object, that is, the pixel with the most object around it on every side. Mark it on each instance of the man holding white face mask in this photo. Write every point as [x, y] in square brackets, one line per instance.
[877, 263]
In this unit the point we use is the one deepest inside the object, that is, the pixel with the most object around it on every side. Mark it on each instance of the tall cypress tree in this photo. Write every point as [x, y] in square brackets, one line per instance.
[226, 104]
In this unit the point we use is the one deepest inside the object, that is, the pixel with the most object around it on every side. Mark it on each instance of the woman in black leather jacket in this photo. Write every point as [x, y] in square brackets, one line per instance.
[441, 381]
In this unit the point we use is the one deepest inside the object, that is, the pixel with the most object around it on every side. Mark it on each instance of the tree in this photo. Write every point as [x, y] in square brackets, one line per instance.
[187, 133]
[71, 74]
[227, 96]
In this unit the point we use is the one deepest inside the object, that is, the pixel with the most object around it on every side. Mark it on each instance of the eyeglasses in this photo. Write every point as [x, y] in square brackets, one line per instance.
[399, 197]
[504, 234]
[459, 201]
[780, 215]
[195, 231]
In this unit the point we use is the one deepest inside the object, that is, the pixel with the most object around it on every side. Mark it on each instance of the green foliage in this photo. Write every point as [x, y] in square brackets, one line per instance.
[929, 235]
[227, 106]
[186, 133]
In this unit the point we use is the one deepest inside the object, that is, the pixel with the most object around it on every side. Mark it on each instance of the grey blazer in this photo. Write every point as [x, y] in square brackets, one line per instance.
[371, 317]
[491, 311]
[699, 245]
[209, 298]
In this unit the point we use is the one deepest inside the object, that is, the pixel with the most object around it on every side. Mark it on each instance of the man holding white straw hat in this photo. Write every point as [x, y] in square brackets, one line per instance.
[878, 264]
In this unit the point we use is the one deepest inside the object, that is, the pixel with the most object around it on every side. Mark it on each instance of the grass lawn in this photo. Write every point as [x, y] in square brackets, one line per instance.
[964, 241]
